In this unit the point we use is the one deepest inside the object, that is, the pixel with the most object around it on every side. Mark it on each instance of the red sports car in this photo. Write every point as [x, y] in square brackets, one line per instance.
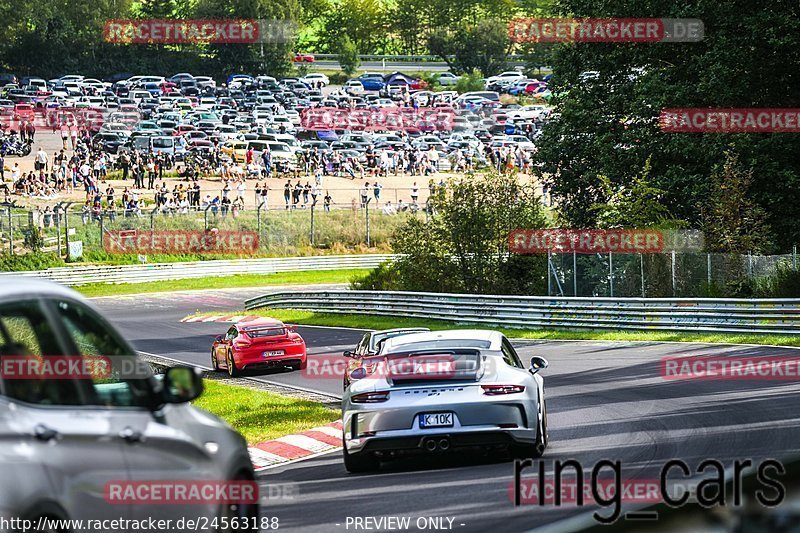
[258, 344]
[303, 58]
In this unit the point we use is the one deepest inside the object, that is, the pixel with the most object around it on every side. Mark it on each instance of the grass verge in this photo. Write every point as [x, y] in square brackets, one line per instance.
[260, 415]
[223, 282]
[387, 322]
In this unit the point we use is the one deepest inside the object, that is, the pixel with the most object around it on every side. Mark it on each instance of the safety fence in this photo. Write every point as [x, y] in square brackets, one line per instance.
[763, 316]
[82, 275]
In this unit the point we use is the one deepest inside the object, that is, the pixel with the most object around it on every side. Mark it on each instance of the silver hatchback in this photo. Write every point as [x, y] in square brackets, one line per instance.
[81, 415]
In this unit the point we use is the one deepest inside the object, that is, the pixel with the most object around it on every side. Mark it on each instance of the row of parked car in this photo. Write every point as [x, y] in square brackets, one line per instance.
[144, 113]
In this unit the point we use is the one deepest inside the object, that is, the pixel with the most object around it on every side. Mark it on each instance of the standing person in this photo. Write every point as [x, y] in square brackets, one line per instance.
[124, 163]
[151, 173]
[241, 188]
[264, 192]
[30, 131]
[327, 202]
[287, 192]
[414, 193]
[296, 194]
[376, 191]
[266, 161]
[64, 134]
[2, 166]
[306, 190]
[364, 192]
[40, 163]
[314, 194]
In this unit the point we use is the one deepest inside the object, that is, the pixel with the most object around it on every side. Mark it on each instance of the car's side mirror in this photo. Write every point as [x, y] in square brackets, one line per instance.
[218, 338]
[538, 363]
[182, 384]
[348, 353]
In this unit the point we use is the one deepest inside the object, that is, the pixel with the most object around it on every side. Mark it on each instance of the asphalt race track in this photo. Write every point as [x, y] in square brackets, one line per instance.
[604, 401]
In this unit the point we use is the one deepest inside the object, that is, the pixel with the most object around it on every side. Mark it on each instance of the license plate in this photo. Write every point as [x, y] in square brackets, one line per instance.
[436, 420]
[273, 353]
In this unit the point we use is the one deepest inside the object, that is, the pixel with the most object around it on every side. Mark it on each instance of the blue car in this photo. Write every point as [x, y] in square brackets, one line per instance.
[371, 83]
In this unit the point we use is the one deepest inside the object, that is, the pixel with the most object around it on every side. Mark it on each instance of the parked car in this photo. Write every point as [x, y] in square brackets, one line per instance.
[303, 58]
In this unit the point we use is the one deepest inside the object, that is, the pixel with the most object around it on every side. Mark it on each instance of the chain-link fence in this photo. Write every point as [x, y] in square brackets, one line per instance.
[658, 275]
[78, 232]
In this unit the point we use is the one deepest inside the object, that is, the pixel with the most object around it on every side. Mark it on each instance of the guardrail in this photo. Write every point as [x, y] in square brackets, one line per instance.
[82, 275]
[675, 314]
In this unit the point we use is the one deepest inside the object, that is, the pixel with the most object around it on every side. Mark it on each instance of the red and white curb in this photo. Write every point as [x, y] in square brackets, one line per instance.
[219, 318]
[292, 448]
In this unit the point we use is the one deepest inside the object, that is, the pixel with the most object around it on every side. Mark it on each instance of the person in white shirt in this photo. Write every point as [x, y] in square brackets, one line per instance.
[241, 187]
[41, 159]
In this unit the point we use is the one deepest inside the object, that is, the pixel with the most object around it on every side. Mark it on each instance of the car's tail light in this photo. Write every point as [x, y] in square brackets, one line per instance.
[495, 390]
[371, 397]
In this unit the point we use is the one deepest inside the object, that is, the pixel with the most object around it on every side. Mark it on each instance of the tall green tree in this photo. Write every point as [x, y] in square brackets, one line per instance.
[609, 97]
[732, 221]
[483, 46]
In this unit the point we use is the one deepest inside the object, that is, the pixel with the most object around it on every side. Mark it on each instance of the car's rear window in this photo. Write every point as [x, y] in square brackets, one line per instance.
[264, 332]
[441, 344]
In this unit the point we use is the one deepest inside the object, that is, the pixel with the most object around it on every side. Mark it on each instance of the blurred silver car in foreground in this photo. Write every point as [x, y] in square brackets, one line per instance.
[441, 391]
[65, 441]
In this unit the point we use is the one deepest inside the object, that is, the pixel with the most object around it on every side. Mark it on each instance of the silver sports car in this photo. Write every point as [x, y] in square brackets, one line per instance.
[440, 391]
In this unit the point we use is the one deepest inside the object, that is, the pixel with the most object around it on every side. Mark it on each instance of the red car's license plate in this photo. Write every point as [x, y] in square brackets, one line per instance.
[273, 353]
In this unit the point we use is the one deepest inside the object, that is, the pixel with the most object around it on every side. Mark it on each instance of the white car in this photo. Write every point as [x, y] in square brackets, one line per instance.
[511, 75]
[354, 87]
[529, 112]
[523, 142]
[437, 392]
[205, 81]
[316, 79]
[447, 79]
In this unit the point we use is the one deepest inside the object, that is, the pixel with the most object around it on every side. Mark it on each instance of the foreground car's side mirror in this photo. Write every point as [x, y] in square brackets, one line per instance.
[182, 384]
[538, 363]
[348, 353]
[218, 338]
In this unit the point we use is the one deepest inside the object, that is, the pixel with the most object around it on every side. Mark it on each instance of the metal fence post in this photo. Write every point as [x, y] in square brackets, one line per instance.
[205, 217]
[794, 257]
[258, 219]
[102, 226]
[674, 281]
[311, 235]
[10, 230]
[749, 264]
[708, 267]
[58, 228]
[574, 273]
[549, 282]
[366, 211]
[611, 273]
[641, 268]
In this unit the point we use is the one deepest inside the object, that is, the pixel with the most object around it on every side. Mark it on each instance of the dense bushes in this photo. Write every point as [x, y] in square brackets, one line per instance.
[463, 245]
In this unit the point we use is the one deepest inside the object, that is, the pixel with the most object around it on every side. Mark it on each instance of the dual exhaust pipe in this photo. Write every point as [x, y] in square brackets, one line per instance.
[433, 445]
